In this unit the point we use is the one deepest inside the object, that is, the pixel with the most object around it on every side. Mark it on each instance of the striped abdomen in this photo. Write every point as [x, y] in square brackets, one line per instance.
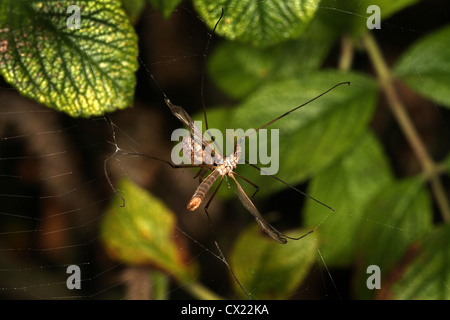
[203, 189]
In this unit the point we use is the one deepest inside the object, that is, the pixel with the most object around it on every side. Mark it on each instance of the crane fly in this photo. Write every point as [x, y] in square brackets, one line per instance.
[223, 166]
[220, 166]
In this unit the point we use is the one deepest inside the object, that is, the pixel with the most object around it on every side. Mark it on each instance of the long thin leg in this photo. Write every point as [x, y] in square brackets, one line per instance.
[265, 226]
[292, 110]
[249, 182]
[202, 89]
[222, 256]
[105, 169]
[200, 174]
[174, 166]
[298, 237]
[243, 178]
[119, 152]
[290, 186]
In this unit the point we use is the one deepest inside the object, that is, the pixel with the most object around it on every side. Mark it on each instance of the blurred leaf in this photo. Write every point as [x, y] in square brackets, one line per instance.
[426, 66]
[396, 218]
[238, 69]
[347, 186]
[310, 138]
[83, 72]
[143, 232]
[260, 23]
[165, 6]
[351, 16]
[427, 272]
[269, 270]
[134, 8]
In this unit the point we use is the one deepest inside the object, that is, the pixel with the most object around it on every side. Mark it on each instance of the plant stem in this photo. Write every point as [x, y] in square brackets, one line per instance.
[160, 284]
[431, 170]
[201, 292]
[347, 51]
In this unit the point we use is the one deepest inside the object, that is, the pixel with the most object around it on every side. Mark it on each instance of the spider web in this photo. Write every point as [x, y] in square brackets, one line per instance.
[54, 193]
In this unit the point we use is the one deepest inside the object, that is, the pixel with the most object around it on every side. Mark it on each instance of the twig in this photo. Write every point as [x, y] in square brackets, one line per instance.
[347, 52]
[430, 168]
[201, 292]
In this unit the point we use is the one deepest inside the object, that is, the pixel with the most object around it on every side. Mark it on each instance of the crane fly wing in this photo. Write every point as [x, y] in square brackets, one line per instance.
[265, 226]
[180, 113]
[194, 143]
[186, 119]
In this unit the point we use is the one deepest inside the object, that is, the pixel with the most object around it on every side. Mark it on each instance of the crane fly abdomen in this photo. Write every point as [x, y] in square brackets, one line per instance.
[203, 189]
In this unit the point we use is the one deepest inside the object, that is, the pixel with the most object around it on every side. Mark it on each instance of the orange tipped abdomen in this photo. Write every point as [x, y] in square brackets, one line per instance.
[194, 203]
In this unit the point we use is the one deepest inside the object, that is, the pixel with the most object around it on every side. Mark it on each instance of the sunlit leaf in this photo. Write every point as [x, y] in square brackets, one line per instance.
[83, 72]
[260, 23]
[143, 233]
[347, 186]
[396, 218]
[426, 66]
[269, 270]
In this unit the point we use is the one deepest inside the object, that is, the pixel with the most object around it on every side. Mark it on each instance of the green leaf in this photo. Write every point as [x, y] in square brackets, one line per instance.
[426, 272]
[165, 6]
[426, 66]
[239, 69]
[396, 218]
[314, 136]
[269, 270]
[83, 72]
[260, 23]
[351, 16]
[144, 233]
[347, 185]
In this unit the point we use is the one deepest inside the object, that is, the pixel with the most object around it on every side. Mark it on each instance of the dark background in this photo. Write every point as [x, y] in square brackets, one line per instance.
[53, 190]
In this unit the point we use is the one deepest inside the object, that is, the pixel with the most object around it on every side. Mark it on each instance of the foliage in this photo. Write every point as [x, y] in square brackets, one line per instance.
[269, 62]
[271, 271]
[150, 235]
[83, 72]
[259, 23]
[428, 76]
